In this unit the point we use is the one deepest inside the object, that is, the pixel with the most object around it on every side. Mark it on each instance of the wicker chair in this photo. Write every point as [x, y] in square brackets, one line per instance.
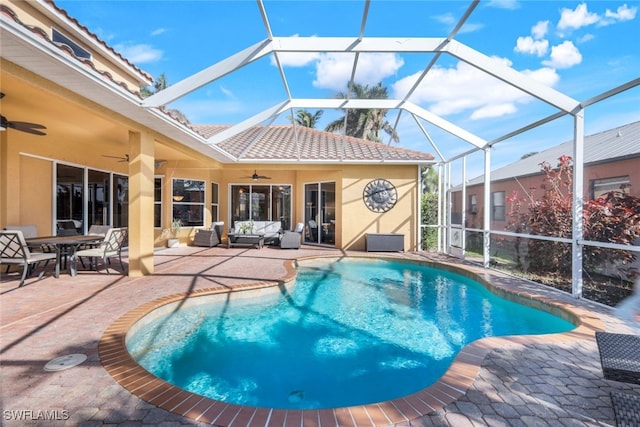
[209, 238]
[292, 239]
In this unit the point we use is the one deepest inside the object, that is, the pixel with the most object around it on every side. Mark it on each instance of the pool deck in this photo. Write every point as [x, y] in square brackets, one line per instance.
[522, 381]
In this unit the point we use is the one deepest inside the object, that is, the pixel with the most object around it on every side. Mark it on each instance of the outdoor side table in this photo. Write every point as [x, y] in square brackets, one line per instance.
[626, 408]
[619, 356]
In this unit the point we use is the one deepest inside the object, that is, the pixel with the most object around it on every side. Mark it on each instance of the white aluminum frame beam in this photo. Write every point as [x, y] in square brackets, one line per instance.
[348, 104]
[206, 76]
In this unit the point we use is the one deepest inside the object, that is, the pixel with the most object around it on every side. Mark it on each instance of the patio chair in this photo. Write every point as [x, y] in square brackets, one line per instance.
[209, 238]
[313, 230]
[292, 239]
[98, 230]
[66, 228]
[14, 251]
[110, 247]
[28, 231]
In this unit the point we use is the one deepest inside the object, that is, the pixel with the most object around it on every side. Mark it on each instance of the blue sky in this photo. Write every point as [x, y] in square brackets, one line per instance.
[579, 48]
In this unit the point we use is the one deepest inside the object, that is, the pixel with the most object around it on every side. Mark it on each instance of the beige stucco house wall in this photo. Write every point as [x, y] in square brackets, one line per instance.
[92, 113]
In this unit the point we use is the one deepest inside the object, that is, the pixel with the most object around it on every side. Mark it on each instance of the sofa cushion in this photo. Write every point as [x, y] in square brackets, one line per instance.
[270, 229]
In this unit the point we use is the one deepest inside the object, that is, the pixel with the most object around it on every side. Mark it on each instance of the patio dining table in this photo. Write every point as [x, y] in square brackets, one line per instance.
[64, 246]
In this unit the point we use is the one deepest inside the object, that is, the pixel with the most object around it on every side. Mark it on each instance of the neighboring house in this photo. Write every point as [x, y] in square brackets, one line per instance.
[611, 161]
[106, 160]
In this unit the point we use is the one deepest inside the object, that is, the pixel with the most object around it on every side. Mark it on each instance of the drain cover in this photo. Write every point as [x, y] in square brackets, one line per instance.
[65, 362]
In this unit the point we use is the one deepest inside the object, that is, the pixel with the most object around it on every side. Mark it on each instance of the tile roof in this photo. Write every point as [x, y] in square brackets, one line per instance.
[289, 143]
[607, 146]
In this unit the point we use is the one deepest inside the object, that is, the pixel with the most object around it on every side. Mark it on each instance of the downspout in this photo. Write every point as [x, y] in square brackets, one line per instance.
[486, 220]
[420, 224]
[463, 216]
[578, 203]
[440, 204]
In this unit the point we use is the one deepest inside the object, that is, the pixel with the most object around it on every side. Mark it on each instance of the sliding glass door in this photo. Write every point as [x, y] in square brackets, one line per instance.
[261, 203]
[320, 213]
[87, 197]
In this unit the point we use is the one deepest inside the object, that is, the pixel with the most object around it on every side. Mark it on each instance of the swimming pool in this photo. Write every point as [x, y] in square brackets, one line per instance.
[351, 332]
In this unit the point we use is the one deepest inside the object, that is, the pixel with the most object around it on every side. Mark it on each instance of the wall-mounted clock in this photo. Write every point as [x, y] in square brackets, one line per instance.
[380, 195]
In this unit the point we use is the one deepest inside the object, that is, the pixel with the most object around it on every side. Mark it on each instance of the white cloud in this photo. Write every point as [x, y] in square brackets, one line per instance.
[470, 28]
[535, 45]
[504, 4]
[333, 70]
[464, 88]
[295, 59]
[587, 37]
[577, 18]
[227, 92]
[564, 55]
[494, 110]
[531, 46]
[158, 31]
[540, 30]
[140, 53]
[623, 13]
[446, 18]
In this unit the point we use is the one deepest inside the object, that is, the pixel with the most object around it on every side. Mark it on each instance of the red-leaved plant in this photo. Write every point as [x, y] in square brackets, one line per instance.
[613, 217]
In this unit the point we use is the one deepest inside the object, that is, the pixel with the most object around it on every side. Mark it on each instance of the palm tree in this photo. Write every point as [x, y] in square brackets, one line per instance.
[159, 84]
[430, 180]
[364, 123]
[305, 119]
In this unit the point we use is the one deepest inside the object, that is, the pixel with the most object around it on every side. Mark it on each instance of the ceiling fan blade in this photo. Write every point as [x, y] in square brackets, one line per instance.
[29, 130]
[124, 158]
[25, 125]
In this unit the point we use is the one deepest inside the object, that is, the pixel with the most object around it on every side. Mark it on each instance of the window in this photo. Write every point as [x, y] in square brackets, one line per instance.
[602, 186]
[157, 202]
[120, 201]
[90, 197]
[473, 204]
[188, 202]
[59, 38]
[261, 203]
[497, 206]
[215, 215]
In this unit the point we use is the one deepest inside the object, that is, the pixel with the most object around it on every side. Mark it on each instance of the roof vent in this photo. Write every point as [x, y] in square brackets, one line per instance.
[619, 134]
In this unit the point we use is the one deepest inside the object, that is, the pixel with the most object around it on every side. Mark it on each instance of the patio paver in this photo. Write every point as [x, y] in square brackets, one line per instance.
[539, 381]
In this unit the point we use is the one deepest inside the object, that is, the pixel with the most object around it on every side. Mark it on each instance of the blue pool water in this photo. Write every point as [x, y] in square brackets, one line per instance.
[351, 332]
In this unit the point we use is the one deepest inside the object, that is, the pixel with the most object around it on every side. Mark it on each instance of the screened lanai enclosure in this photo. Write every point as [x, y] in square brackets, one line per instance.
[536, 143]
[473, 215]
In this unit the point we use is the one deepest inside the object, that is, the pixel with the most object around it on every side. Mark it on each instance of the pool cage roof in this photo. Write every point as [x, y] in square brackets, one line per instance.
[432, 51]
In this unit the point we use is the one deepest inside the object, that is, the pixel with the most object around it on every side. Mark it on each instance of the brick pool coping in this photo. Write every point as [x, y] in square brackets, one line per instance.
[117, 361]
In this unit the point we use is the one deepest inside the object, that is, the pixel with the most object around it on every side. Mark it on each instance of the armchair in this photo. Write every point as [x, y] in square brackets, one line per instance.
[209, 238]
[292, 239]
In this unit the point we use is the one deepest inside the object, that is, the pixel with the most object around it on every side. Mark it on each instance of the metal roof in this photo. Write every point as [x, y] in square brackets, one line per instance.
[607, 146]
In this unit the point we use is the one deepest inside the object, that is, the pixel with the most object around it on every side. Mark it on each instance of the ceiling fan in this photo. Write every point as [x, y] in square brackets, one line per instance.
[21, 126]
[124, 158]
[256, 177]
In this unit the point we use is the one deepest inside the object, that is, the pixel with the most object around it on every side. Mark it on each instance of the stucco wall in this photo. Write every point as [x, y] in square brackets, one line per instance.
[357, 219]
